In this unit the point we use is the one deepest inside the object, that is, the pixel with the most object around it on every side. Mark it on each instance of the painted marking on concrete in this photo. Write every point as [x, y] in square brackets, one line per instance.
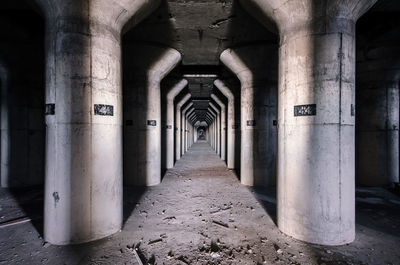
[103, 110]
[152, 123]
[129, 122]
[50, 109]
[251, 123]
[305, 110]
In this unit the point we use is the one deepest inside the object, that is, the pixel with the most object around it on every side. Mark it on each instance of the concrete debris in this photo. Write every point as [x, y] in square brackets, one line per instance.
[221, 223]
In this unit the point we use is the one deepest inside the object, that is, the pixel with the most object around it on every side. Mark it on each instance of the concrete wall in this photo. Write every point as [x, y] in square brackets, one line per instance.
[22, 100]
[377, 102]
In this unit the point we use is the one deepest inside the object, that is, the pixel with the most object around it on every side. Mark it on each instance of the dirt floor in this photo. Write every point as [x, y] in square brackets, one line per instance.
[200, 214]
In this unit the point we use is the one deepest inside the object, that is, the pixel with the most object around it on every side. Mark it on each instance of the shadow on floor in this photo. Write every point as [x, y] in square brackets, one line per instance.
[22, 204]
[376, 208]
[131, 197]
[267, 198]
[379, 210]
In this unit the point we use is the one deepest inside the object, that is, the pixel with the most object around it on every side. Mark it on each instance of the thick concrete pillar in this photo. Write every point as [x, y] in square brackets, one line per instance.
[218, 119]
[187, 138]
[142, 156]
[223, 125]
[156, 73]
[213, 130]
[83, 185]
[377, 111]
[170, 120]
[184, 128]
[181, 125]
[178, 126]
[4, 128]
[316, 123]
[247, 121]
[230, 156]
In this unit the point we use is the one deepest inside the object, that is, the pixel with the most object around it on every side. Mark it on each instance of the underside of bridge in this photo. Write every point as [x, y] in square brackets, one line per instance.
[199, 132]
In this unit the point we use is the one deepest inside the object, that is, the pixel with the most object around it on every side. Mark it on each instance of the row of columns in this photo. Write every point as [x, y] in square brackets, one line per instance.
[83, 193]
[83, 171]
[316, 181]
[316, 188]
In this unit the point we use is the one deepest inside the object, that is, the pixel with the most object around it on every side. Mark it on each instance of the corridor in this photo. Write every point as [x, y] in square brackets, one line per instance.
[201, 214]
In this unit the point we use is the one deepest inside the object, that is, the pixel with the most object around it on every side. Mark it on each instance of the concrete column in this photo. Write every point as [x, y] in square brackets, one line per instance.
[170, 120]
[142, 155]
[215, 130]
[5, 129]
[187, 140]
[230, 156]
[83, 184]
[247, 120]
[156, 73]
[377, 111]
[315, 195]
[218, 119]
[178, 126]
[212, 127]
[223, 125]
[184, 128]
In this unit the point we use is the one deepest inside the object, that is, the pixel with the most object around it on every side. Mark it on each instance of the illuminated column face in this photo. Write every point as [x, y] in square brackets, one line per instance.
[178, 122]
[83, 182]
[83, 190]
[143, 108]
[315, 197]
[247, 120]
[170, 127]
[230, 124]
[222, 117]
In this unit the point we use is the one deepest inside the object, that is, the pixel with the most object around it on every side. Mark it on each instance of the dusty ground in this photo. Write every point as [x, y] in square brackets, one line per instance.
[200, 214]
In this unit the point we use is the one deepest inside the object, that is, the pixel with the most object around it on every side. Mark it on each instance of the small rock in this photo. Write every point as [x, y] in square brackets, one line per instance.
[46, 244]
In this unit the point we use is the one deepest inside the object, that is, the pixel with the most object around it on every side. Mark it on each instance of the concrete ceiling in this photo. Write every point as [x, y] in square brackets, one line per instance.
[200, 30]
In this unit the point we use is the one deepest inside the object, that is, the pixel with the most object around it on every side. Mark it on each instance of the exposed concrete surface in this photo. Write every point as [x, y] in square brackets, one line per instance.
[170, 126]
[230, 124]
[201, 214]
[316, 161]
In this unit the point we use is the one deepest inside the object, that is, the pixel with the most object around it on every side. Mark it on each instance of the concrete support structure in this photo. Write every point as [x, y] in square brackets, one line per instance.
[142, 156]
[316, 125]
[188, 128]
[218, 126]
[211, 129]
[213, 116]
[230, 157]
[223, 125]
[178, 126]
[247, 121]
[5, 129]
[83, 184]
[170, 121]
[184, 128]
